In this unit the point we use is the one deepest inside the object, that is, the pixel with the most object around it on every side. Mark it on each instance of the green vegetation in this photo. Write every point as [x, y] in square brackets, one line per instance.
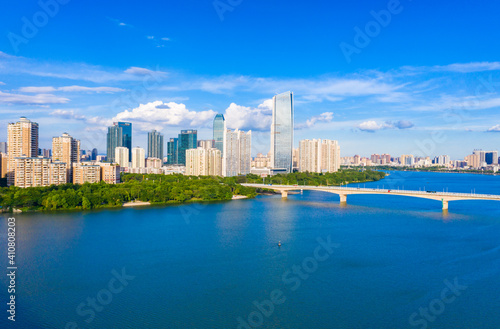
[157, 189]
[341, 177]
[161, 189]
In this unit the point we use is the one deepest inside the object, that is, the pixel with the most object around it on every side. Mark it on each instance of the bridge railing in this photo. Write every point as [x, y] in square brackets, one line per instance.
[364, 189]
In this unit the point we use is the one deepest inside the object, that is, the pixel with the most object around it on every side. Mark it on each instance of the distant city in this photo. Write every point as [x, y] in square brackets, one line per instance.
[227, 153]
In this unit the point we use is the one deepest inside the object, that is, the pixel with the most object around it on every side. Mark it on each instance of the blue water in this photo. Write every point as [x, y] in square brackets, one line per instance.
[204, 266]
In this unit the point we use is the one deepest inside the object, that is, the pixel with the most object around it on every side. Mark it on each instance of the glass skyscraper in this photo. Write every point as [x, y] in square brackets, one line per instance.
[282, 132]
[119, 134]
[127, 136]
[173, 151]
[155, 145]
[219, 129]
[114, 140]
[188, 139]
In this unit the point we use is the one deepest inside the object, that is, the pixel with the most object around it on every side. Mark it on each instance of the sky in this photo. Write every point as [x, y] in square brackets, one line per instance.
[400, 77]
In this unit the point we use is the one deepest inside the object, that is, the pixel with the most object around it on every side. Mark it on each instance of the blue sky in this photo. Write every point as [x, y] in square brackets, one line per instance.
[421, 77]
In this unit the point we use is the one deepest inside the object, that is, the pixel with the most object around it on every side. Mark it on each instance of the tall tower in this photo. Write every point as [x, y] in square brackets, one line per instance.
[282, 132]
[188, 139]
[138, 157]
[66, 149]
[155, 145]
[22, 140]
[219, 129]
[114, 140]
[126, 135]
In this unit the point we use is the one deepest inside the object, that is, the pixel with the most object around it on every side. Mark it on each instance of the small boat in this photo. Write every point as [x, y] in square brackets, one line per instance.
[279, 243]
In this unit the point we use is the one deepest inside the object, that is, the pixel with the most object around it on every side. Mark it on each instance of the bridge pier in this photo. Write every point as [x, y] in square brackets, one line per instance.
[284, 194]
[343, 198]
[445, 204]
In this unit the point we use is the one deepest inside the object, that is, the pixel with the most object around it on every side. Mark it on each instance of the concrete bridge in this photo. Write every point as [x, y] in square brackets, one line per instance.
[343, 192]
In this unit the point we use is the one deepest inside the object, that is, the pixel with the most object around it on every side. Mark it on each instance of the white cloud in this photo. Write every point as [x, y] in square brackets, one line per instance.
[469, 67]
[156, 115]
[323, 117]
[249, 118]
[49, 89]
[165, 39]
[102, 123]
[150, 37]
[142, 71]
[2, 83]
[31, 99]
[372, 126]
[495, 129]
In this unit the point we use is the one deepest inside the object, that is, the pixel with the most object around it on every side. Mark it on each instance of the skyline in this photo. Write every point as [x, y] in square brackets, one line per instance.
[411, 80]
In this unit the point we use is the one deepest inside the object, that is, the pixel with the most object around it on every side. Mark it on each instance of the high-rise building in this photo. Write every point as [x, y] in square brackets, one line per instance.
[121, 156]
[237, 153]
[119, 134]
[127, 135]
[173, 151]
[206, 144]
[94, 154]
[66, 149]
[31, 171]
[188, 139]
[473, 160]
[3, 147]
[58, 173]
[491, 157]
[155, 144]
[282, 132]
[203, 162]
[3, 165]
[219, 128]
[154, 163]
[319, 155]
[114, 140]
[138, 158]
[22, 140]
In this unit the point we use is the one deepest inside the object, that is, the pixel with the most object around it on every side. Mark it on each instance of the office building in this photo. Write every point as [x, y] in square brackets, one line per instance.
[282, 132]
[121, 156]
[126, 135]
[155, 144]
[173, 151]
[3, 147]
[188, 139]
[22, 141]
[203, 162]
[94, 154]
[138, 157]
[237, 153]
[473, 161]
[114, 140]
[319, 155]
[219, 128]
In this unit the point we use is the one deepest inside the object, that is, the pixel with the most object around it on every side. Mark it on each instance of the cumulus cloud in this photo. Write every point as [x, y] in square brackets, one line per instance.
[49, 89]
[249, 118]
[372, 126]
[31, 99]
[323, 117]
[494, 129]
[156, 115]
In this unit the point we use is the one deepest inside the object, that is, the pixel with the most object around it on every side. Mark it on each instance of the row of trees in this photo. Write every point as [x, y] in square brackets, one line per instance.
[157, 189]
[162, 189]
[341, 177]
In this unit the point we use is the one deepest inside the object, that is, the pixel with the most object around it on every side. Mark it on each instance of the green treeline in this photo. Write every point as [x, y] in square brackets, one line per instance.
[314, 179]
[157, 189]
[161, 189]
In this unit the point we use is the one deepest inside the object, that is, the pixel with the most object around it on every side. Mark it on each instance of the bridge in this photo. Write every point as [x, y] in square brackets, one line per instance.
[343, 192]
